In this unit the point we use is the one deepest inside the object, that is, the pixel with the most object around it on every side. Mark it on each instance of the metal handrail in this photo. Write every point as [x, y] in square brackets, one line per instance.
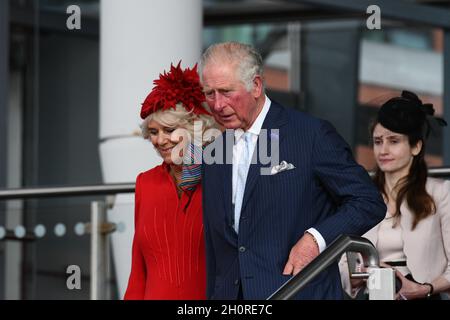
[110, 189]
[107, 189]
[439, 172]
[330, 255]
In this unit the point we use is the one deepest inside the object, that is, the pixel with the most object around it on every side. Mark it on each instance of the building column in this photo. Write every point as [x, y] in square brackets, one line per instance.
[139, 39]
[4, 88]
[4, 77]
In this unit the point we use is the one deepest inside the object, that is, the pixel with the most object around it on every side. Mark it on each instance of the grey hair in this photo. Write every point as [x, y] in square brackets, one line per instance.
[249, 62]
[178, 118]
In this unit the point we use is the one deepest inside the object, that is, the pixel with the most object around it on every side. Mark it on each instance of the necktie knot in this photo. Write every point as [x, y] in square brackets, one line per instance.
[247, 140]
[247, 136]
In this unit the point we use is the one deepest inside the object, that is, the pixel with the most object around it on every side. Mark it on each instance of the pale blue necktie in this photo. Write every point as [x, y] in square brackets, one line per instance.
[242, 171]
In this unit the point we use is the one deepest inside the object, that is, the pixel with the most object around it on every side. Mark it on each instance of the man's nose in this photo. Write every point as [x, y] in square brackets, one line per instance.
[218, 103]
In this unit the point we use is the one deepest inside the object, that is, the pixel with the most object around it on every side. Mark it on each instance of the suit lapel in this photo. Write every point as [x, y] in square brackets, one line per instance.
[227, 191]
[227, 178]
[275, 119]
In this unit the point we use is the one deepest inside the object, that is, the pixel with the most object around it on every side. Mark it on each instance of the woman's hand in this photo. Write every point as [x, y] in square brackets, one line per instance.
[410, 290]
[358, 282]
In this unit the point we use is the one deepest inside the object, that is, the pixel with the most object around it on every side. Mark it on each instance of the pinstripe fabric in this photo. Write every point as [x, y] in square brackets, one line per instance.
[327, 190]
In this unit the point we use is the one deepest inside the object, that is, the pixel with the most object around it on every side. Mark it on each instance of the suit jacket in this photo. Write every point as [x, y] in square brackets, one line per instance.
[427, 247]
[327, 190]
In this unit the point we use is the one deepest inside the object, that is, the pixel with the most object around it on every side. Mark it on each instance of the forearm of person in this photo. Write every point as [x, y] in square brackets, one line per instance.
[440, 284]
[210, 263]
[360, 205]
[137, 279]
[138, 275]
[350, 286]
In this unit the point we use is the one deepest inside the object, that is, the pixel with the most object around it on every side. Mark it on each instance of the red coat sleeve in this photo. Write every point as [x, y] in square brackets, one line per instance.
[138, 275]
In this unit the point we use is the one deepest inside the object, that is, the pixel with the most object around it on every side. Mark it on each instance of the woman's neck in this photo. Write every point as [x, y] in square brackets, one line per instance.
[391, 183]
[175, 172]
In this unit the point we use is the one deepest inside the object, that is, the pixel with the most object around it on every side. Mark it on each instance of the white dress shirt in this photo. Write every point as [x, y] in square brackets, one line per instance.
[255, 130]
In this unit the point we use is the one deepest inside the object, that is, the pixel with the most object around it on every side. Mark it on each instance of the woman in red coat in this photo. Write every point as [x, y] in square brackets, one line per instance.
[168, 259]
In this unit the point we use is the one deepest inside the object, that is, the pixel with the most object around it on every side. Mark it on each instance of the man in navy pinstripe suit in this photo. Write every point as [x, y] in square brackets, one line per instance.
[262, 228]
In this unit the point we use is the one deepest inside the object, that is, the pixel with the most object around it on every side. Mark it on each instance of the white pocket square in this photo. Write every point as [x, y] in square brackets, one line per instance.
[283, 166]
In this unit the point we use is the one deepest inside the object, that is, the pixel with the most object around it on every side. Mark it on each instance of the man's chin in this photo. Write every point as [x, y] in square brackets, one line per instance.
[230, 124]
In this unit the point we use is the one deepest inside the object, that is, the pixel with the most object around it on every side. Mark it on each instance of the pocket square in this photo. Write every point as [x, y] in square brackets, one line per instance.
[283, 166]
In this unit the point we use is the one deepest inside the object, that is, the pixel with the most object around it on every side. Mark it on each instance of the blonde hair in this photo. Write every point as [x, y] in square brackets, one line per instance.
[178, 118]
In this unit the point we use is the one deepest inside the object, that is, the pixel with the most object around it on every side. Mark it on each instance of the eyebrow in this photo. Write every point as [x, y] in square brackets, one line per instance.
[388, 137]
[164, 128]
[224, 88]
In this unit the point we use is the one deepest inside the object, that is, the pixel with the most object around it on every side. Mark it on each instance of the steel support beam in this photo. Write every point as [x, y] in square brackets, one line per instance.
[4, 87]
[446, 97]
[53, 21]
[401, 10]
[266, 12]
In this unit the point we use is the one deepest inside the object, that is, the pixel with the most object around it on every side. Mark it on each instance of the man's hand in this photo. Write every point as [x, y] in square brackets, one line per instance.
[304, 251]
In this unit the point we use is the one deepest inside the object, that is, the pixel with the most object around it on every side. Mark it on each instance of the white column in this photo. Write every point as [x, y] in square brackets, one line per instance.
[138, 40]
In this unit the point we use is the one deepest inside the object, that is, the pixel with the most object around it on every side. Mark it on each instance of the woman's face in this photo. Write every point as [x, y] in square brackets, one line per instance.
[392, 151]
[166, 141]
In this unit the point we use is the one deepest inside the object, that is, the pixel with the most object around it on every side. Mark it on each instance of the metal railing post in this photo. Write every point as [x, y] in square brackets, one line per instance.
[100, 253]
[330, 255]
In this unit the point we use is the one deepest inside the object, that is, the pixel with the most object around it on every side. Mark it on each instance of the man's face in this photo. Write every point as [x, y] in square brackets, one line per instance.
[231, 104]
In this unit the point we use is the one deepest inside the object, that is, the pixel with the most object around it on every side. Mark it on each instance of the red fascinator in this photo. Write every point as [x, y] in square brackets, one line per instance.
[176, 86]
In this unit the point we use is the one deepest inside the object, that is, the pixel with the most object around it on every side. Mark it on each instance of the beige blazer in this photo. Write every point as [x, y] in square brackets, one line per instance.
[427, 247]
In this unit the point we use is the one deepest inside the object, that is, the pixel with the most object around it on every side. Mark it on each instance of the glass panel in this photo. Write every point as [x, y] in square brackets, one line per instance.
[89, 8]
[396, 59]
[45, 243]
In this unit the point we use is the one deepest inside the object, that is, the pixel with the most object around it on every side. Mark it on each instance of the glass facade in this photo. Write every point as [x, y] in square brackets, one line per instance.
[393, 60]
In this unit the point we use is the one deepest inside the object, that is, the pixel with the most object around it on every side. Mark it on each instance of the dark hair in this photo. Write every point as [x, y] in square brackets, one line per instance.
[412, 187]
[407, 115]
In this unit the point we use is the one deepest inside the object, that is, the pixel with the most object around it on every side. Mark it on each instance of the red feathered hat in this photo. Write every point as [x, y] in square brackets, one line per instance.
[177, 86]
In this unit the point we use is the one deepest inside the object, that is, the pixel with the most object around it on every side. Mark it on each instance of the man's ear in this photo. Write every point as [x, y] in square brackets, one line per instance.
[257, 86]
[417, 148]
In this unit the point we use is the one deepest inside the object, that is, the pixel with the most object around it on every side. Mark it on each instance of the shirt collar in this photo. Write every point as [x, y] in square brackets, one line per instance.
[257, 124]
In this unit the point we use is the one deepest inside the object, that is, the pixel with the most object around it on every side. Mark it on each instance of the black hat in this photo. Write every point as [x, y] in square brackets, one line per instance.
[407, 115]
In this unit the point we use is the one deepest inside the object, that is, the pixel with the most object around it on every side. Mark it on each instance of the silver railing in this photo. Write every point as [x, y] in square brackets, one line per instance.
[99, 227]
[107, 189]
[440, 172]
[330, 255]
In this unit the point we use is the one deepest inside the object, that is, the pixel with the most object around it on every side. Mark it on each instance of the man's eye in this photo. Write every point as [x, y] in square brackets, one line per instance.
[170, 130]
[377, 142]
